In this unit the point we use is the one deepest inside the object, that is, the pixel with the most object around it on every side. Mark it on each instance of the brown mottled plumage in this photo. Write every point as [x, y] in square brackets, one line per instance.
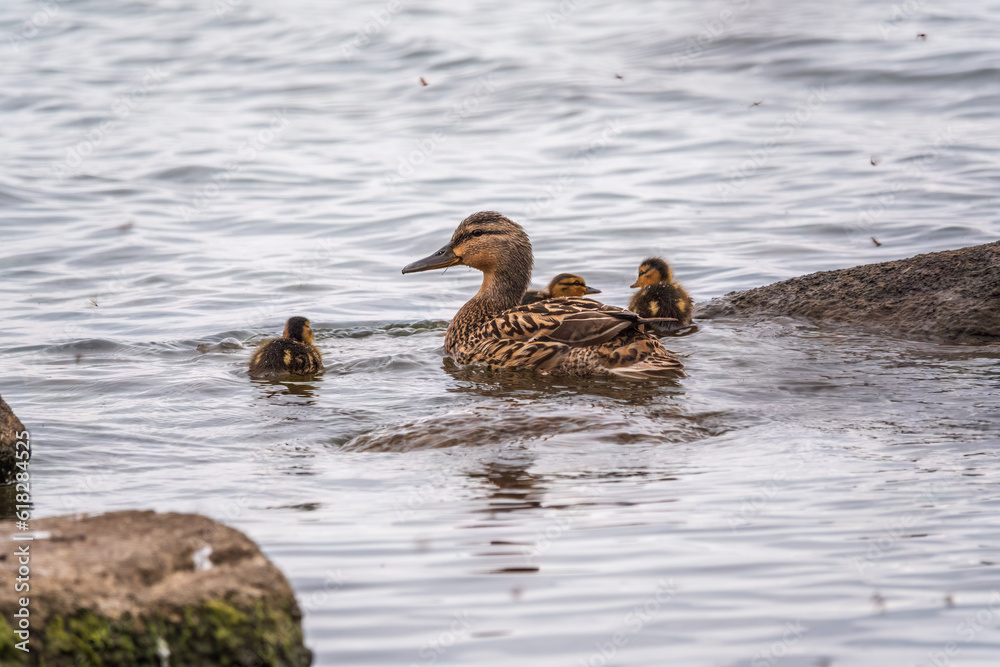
[565, 284]
[293, 354]
[567, 335]
[659, 294]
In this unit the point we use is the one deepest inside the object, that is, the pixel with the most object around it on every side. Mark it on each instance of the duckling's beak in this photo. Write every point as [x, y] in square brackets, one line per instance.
[634, 285]
[441, 259]
[591, 290]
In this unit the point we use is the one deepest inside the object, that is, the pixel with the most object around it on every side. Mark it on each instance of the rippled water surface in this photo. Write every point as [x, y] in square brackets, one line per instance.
[179, 173]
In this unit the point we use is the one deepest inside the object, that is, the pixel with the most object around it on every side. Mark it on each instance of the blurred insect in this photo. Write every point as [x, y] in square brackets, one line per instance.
[875, 241]
[922, 35]
[755, 104]
[875, 160]
[619, 76]
[423, 82]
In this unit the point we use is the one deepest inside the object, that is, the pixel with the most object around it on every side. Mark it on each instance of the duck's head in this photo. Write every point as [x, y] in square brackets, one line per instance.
[653, 270]
[486, 241]
[568, 284]
[297, 328]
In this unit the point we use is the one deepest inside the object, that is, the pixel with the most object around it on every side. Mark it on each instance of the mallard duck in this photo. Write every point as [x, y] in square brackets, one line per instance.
[292, 354]
[659, 294]
[565, 284]
[564, 335]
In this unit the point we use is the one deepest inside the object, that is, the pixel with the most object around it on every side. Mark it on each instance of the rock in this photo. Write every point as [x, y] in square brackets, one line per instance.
[951, 297]
[12, 431]
[140, 588]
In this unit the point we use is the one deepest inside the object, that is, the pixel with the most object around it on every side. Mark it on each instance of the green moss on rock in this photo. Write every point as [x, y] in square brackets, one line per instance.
[9, 653]
[215, 633]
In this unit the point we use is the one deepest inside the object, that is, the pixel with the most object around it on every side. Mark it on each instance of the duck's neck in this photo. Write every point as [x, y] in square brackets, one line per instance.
[502, 289]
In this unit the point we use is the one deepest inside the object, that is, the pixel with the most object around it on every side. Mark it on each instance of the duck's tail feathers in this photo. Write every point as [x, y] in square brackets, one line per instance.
[651, 370]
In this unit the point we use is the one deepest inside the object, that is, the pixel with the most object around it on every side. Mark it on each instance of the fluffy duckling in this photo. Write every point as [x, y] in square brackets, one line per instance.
[292, 354]
[659, 294]
[564, 335]
[565, 284]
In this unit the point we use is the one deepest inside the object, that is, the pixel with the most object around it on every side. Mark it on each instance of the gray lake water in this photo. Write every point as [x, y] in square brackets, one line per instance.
[179, 172]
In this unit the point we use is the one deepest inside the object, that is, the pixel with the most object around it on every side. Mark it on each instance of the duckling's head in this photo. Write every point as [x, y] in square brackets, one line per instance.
[653, 270]
[297, 328]
[567, 284]
[486, 241]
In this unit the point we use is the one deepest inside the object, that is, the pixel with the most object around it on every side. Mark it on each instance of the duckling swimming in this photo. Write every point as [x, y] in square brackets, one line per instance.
[564, 335]
[292, 354]
[565, 284]
[659, 294]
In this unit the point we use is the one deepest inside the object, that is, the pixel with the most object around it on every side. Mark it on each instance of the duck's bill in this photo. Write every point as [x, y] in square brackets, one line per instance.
[441, 259]
[591, 290]
[634, 285]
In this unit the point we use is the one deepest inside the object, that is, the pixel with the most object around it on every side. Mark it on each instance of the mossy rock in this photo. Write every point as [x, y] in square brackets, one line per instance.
[201, 594]
[11, 432]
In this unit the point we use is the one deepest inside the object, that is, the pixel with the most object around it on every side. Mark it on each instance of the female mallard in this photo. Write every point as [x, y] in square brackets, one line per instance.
[565, 284]
[567, 335]
[659, 295]
[292, 354]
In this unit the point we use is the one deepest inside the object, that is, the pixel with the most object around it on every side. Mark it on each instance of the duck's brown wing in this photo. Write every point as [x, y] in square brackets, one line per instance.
[573, 321]
[571, 335]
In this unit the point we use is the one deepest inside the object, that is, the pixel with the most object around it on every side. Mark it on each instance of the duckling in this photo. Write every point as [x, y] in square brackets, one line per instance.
[563, 335]
[659, 294]
[565, 284]
[292, 354]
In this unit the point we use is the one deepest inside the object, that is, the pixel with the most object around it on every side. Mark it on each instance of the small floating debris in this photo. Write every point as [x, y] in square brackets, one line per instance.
[423, 81]
[922, 36]
[875, 159]
[755, 104]
[876, 242]
[92, 302]
[619, 76]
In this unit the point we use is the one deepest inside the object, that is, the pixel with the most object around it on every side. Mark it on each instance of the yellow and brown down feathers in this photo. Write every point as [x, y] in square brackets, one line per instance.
[659, 294]
[565, 284]
[292, 354]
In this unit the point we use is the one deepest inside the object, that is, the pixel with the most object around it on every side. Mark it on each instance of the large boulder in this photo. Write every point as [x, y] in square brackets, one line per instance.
[951, 296]
[140, 588]
[11, 433]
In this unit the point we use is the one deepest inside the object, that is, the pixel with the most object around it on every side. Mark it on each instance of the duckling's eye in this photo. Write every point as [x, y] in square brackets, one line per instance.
[578, 283]
[477, 232]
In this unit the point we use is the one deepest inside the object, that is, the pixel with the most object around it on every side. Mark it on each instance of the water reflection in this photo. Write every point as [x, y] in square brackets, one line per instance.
[275, 387]
[511, 487]
[532, 385]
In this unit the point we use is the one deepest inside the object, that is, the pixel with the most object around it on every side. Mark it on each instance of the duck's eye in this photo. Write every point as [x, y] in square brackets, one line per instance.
[477, 232]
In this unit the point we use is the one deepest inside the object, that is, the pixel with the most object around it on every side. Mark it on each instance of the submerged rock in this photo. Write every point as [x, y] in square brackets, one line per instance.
[12, 431]
[951, 296]
[140, 588]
